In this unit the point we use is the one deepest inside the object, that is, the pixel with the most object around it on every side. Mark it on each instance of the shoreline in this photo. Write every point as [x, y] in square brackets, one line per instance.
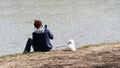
[95, 56]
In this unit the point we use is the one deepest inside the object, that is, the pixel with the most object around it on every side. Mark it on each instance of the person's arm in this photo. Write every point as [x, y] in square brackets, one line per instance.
[50, 34]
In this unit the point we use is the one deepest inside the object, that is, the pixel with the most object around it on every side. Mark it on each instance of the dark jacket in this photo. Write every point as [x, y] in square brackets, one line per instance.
[41, 40]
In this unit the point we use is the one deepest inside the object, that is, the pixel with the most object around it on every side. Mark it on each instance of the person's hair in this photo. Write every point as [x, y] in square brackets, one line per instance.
[37, 23]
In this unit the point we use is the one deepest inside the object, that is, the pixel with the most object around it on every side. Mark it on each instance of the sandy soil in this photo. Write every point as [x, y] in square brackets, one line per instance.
[97, 56]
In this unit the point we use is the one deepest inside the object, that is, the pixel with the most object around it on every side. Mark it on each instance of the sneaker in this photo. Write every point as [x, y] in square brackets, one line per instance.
[25, 52]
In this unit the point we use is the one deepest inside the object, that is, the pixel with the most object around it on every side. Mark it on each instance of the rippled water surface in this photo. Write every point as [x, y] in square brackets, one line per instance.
[85, 21]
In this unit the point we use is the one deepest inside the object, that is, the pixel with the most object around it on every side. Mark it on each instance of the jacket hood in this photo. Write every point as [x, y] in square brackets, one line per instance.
[39, 31]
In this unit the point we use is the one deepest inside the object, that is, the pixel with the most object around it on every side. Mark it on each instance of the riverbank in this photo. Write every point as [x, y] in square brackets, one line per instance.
[94, 56]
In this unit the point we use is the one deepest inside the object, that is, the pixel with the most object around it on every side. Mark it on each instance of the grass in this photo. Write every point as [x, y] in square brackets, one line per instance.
[98, 45]
[89, 56]
[83, 47]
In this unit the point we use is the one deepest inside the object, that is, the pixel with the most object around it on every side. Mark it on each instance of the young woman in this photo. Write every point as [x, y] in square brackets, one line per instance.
[40, 40]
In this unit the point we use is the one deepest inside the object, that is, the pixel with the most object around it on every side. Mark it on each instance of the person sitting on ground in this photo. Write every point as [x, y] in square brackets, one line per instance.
[40, 40]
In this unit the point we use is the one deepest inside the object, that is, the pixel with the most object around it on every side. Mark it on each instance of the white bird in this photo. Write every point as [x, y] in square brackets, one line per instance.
[71, 45]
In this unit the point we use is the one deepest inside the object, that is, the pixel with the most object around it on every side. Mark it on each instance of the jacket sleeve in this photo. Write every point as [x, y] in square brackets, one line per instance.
[50, 35]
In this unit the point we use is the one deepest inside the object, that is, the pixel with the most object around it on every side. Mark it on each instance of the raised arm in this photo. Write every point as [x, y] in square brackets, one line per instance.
[50, 35]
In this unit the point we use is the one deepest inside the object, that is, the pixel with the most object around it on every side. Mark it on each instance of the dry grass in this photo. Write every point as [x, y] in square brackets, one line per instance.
[98, 56]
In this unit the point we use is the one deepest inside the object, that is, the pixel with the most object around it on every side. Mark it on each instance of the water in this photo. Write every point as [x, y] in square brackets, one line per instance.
[85, 21]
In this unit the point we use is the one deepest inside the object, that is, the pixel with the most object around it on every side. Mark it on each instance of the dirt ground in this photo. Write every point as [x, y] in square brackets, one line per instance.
[94, 56]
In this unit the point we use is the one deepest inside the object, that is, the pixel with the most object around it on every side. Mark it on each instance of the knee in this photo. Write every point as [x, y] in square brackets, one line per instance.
[29, 38]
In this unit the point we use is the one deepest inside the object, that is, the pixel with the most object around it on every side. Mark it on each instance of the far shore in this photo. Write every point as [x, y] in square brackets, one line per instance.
[92, 56]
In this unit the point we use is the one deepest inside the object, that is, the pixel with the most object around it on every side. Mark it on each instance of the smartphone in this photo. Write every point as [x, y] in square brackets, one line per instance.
[45, 26]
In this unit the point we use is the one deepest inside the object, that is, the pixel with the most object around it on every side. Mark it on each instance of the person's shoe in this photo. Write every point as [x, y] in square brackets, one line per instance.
[25, 52]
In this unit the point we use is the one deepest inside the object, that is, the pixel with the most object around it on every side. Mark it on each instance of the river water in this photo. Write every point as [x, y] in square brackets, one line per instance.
[85, 21]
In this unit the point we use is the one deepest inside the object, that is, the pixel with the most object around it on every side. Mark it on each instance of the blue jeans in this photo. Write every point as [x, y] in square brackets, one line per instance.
[30, 44]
